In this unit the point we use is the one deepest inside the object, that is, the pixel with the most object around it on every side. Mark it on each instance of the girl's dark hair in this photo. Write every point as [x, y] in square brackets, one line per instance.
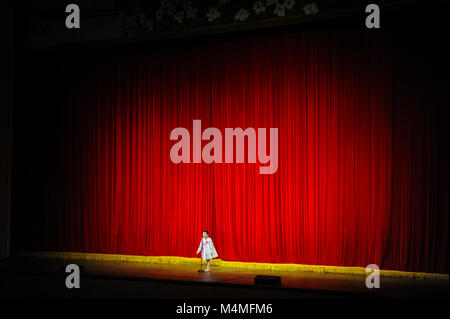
[205, 231]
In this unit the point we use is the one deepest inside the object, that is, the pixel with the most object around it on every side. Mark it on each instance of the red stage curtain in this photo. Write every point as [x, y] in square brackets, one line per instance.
[358, 178]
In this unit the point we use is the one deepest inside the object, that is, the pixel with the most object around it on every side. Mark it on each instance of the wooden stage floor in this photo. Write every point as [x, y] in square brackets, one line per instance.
[106, 279]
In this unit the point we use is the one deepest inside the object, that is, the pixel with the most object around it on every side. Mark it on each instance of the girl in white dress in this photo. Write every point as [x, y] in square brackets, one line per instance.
[207, 248]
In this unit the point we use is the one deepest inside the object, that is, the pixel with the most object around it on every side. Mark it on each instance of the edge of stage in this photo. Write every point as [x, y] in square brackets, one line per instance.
[115, 276]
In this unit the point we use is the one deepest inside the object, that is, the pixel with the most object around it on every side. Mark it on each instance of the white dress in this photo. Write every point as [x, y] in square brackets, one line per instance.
[207, 248]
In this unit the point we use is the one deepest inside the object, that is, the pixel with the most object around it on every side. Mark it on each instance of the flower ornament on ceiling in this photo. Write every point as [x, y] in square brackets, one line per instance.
[141, 17]
[149, 25]
[179, 16]
[165, 4]
[310, 8]
[259, 7]
[289, 4]
[212, 14]
[241, 15]
[186, 4]
[223, 2]
[170, 15]
[159, 14]
[191, 12]
[171, 10]
[280, 10]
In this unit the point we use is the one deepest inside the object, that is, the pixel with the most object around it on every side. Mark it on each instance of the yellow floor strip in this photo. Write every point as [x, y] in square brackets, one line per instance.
[232, 264]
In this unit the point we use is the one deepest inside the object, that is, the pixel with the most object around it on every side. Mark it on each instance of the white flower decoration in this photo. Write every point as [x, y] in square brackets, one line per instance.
[165, 4]
[280, 10]
[241, 15]
[149, 25]
[222, 2]
[141, 17]
[131, 20]
[186, 4]
[212, 14]
[310, 8]
[159, 15]
[179, 16]
[259, 7]
[191, 13]
[171, 10]
[270, 2]
[289, 4]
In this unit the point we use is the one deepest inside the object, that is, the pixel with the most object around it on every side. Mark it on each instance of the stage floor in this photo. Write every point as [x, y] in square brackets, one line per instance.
[45, 277]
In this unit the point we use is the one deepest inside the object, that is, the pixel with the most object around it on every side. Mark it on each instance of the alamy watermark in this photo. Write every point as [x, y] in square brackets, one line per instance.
[212, 151]
[73, 279]
[373, 279]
